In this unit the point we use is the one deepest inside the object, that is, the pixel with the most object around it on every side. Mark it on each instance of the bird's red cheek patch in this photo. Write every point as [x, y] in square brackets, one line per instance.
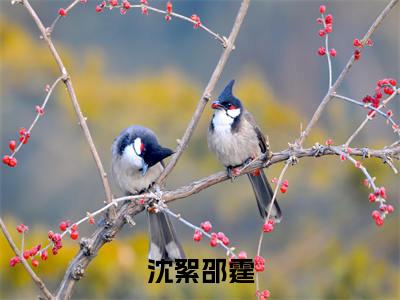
[256, 172]
[141, 147]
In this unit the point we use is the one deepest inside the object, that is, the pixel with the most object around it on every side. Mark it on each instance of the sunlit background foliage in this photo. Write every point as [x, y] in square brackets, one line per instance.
[138, 70]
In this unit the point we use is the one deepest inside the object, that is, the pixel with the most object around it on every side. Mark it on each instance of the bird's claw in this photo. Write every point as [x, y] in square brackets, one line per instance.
[232, 172]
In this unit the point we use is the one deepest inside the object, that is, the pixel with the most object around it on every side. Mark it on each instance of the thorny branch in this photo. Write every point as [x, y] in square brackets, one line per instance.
[183, 142]
[109, 228]
[71, 91]
[332, 90]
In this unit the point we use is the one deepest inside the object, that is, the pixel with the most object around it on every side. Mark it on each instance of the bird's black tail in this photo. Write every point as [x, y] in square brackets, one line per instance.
[164, 243]
[264, 194]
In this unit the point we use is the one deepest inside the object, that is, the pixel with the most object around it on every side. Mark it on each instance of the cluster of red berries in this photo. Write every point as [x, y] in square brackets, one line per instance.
[380, 195]
[197, 21]
[326, 22]
[24, 136]
[359, 45]
[269, 226]
[57, 241]
[74, 234]
[262, 295]
[28, 253]
[206, 226]
[259, 263]
[384, 86]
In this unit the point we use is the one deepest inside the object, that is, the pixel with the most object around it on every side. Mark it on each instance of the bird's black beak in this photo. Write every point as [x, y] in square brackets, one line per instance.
[216, 105]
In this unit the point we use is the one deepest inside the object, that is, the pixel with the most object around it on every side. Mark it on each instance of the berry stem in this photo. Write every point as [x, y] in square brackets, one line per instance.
[362, 125]
[38, 115]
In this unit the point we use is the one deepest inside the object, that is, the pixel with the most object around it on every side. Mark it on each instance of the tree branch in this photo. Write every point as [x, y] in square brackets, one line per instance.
[331, 92]
[68, 83]
[183, 142]
[31, 273]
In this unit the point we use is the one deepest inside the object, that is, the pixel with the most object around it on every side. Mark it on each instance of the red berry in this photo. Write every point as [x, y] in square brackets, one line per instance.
[357, 43]
[168, 18]
[12, 144]
[357, 54]
[285, 183]
[332, 52]
[319, 21]
[389, 113]
[113, 2]
[6, 159]
[74, 227]
[376, 215]
[259, 267]
[389, 209]
[15, 260]
[98, 9]
[372, 197]
[382, 192]
[392, 82]
[44, 255]
[225, 241]
[22, 228]
[259, 260]
[379, 221]
[328, 28]
[50, 235]
[91, 220]
[169, 7]
[197, 236]
[322, 9]
[34, 263]
[62, 12]
[388, 90]
[266, 294]
[213, 242]
[268, 227]
[74, 235]
[206, 226]
[145, 11]
[26, 254]
[321, 51]
[329, 142]
[39, 110]
[63, 225]
[242, 255]
[321, 32]
[370, 43]
[126, 5]
[13, 162]
[283, 189]
[328, 19]
[220, 235]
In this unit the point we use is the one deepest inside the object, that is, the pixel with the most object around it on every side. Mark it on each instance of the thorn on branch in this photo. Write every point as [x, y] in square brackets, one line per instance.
[85, 247]
[78, 272]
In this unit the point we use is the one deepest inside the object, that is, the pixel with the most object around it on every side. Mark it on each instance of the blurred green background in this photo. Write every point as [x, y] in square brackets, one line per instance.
[139, 70]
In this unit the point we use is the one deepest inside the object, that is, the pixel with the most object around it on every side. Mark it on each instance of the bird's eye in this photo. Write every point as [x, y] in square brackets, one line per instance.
[231, 106]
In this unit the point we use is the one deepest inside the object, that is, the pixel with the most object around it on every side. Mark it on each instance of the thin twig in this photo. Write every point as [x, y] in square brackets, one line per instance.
[183, 142]
[217, 36]
[50, 29]
[331, 92]
[362, 125]
[38, 114]
[74, 100]
[18, 253]
[367, 106]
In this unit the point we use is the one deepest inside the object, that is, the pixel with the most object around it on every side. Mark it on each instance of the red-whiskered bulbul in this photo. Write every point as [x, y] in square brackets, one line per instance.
[235, 138]
[136, 164]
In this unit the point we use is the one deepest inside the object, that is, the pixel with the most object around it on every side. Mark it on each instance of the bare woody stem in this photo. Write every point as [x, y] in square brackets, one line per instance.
[331, 92]
[40, 284]
[75, 103]
[105, 233]
[368, 118]
[183, 142]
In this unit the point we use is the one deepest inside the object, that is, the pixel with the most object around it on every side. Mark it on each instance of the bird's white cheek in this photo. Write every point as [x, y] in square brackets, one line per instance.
[233, 113]
[221, 119]
[131, 158]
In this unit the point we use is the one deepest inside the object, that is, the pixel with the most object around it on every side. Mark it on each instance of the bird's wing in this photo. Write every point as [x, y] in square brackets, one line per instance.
[264, 146]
